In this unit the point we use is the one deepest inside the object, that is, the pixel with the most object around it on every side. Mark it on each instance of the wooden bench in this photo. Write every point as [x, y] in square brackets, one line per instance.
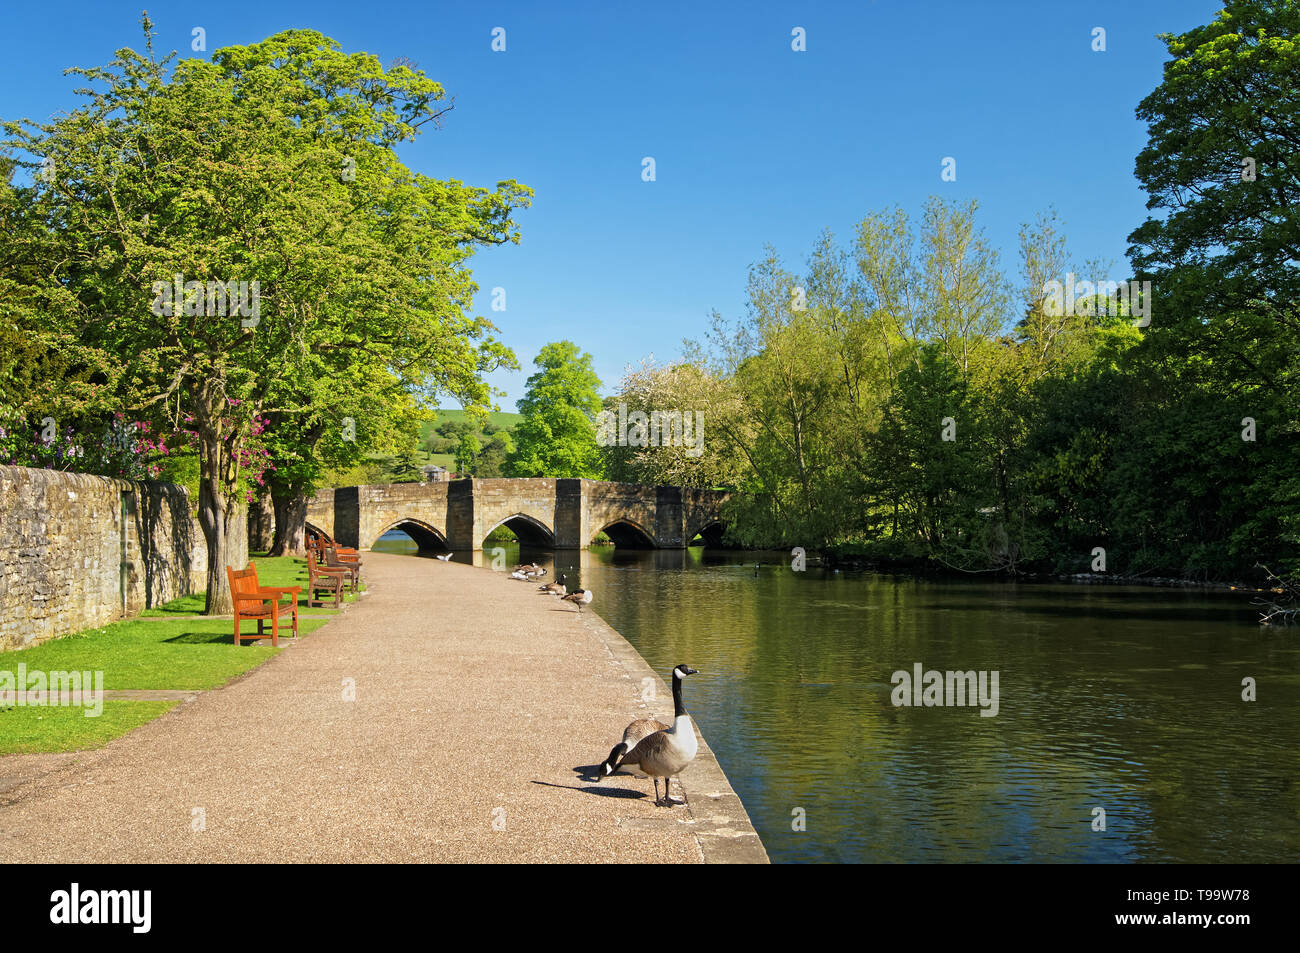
[252, 601]
[349, 563]
[323, 579]
[345, 553]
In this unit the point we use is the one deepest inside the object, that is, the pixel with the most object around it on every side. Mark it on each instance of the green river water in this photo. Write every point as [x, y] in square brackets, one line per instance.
[1127, 699]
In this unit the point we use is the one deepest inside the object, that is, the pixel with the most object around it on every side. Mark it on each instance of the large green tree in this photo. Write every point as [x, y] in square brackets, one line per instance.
[274, 164]
[557, 437]
[1222, 249]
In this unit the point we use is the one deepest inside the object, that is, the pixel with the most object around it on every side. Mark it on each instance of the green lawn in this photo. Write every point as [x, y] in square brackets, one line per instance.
[43, 730]
[277, 571]
[171, 653]
[184, 654]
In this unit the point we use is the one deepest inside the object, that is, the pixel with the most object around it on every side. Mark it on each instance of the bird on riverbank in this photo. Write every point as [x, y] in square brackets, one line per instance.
[633, 735]
[530, 569]
[580, 598]
[657, 749]
[554, 588]
[445, 559]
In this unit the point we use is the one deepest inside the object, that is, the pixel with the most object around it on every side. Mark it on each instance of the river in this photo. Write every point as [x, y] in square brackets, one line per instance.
[1117, 706]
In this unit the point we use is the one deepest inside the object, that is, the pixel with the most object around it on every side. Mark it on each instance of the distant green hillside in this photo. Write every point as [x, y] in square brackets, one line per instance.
[504, 420]
[490, 441]
[379, 468]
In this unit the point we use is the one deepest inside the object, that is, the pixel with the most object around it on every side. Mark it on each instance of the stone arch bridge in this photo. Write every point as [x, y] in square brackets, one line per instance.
[543, 513]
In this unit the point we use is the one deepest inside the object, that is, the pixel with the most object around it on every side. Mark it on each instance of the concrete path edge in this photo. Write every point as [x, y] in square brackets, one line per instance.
[720, 823]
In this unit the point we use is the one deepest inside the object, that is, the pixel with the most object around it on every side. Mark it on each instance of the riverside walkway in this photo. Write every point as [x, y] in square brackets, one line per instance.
[480, 710]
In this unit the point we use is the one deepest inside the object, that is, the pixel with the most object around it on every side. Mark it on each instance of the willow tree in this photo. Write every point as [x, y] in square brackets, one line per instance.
[273, 165]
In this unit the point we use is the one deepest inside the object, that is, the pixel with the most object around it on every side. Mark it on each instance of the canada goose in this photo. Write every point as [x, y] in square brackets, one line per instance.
[519, 574]
[529, 568]
[554, 588]
[658, 750]
[446, 558]
[633, 735]
[580, 598]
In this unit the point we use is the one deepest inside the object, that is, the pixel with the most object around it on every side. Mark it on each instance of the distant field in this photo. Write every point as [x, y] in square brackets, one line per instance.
[500, 417]
[422, 457]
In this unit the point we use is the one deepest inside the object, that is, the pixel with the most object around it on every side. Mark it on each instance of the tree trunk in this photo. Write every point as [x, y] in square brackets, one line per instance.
[261, 522]
[236, 535]
[212, 518]
[290, 523]
[225, 529]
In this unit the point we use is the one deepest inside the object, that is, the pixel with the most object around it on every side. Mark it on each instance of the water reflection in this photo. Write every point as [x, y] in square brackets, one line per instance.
[1127, 699]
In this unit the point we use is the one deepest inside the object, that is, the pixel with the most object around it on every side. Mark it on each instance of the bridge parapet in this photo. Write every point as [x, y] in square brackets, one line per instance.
[547, 513]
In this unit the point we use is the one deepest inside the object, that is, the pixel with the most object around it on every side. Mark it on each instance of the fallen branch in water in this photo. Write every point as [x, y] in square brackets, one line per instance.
[1286, 609]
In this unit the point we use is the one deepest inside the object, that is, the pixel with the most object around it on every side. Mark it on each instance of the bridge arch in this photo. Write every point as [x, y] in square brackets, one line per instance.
[426, 537]
[711, 532]
[311, 529]
[544, 512]
[628, 534]
[531, 531]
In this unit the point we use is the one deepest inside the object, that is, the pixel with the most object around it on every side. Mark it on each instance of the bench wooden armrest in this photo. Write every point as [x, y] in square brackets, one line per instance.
[251, 601]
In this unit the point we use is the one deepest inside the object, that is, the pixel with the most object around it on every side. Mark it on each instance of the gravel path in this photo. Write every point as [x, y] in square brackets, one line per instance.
[481, 708]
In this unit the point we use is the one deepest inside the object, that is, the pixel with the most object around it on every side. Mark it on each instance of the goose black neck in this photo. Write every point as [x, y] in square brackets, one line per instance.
[678, 708]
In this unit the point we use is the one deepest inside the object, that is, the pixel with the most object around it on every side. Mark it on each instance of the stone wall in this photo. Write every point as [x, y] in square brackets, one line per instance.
[78, 551]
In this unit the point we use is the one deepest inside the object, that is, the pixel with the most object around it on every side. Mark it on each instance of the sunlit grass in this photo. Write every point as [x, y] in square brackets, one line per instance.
[156, 651]
[33, 730]
[271, 571]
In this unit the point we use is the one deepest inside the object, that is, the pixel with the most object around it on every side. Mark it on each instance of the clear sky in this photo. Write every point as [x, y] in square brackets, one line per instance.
[753, 142]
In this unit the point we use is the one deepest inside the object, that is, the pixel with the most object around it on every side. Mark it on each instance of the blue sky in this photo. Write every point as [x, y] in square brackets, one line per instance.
[753, 143]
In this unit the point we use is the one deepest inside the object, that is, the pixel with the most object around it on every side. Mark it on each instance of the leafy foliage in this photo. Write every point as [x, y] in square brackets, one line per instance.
[557, 436]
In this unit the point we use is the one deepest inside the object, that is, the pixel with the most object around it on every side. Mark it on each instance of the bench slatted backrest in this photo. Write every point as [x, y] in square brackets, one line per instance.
[243, 584]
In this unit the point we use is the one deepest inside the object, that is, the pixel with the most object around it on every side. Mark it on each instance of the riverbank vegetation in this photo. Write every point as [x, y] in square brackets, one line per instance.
[904, 395]
[906, 398]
